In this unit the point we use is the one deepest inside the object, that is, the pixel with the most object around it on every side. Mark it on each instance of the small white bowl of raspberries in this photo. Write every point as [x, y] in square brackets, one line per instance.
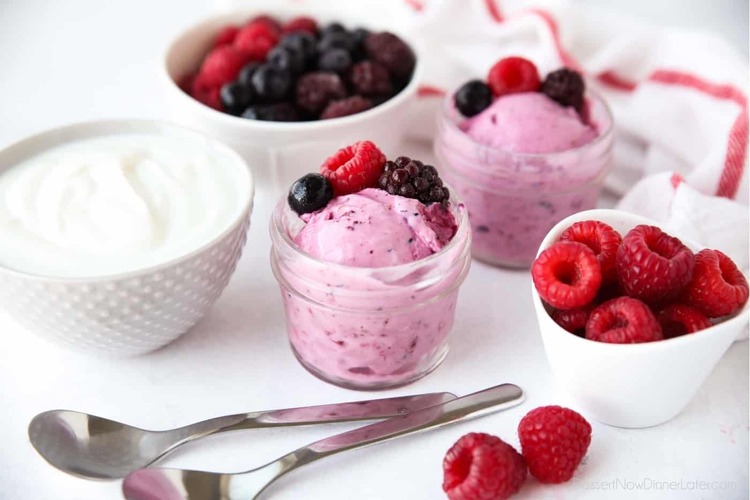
[284, 89]
[633, 319]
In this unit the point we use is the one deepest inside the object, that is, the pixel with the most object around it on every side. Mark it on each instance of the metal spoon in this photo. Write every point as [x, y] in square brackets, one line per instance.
[177, 484]
[98, 448]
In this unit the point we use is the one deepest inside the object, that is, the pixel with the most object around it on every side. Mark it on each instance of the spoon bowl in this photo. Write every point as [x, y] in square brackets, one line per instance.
[95, 447]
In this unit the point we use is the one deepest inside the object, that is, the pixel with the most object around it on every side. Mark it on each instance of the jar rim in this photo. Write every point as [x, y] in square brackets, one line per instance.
[280, 237]
[445, 116]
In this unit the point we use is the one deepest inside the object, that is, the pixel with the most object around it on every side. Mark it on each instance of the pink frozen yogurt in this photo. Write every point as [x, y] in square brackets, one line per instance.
[529, 122]
[370, 284]
[522, 165]
[372, 228]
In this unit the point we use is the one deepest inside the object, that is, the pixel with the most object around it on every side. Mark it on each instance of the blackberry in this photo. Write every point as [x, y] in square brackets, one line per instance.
[392, 52]
[346, 107]
[565, 87]
[309, 193]
[473, 97]
[413, 179]
[371, 79]
[315, 90]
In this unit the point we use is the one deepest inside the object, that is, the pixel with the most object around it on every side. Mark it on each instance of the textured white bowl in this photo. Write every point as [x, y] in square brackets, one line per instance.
[129, 313]
[278, 153]
[631, 385]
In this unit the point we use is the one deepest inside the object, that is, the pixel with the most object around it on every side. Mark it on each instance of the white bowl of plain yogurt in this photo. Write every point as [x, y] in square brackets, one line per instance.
[117, 236]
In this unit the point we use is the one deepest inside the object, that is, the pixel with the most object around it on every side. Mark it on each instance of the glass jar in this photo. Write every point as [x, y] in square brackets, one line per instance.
[368, 328]
[514, 199]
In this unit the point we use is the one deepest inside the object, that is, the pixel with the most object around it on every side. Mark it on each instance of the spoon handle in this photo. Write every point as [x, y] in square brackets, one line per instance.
[250, 484]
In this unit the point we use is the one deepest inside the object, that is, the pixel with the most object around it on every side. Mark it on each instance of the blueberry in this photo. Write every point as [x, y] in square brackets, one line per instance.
[287, 58]
[246, 73]
[309, 193]
[336, 60]
[279, 112]
[302, 42]
[335, 41]
[358, 37]
[473, 97]
[270, 83]
[235, 97]
[333, 28]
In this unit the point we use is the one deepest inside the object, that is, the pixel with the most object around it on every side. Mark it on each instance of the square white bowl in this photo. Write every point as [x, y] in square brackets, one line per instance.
[631, 385]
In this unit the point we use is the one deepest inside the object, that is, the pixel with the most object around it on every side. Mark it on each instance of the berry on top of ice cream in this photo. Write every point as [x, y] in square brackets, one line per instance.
[349, 221]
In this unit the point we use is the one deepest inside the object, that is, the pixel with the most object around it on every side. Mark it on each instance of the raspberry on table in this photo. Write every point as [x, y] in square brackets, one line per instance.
[345, 107]
[566, 87]
[554, 440]
[602, 239]
[221, 66]
[482, 467]
[255, 40]
[413, 179]
[567, 275]
[623, 320]
[315, 90]
[354, 167]
[392, 52]
[653, 266]
[513, 74]
[371, 79]
[678, 319]
[572, 320]
[717, 287]
[226, 35]
[301, 23]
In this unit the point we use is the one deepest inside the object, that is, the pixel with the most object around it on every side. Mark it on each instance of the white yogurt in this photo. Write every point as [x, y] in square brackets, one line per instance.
[117, 203]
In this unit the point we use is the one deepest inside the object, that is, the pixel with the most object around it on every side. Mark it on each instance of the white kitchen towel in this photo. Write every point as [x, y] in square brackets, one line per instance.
[679, 97]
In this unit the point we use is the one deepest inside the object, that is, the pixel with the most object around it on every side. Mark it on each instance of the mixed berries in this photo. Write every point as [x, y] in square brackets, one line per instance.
[515, 74]
[553, 440]
[296, 71]
[360, 166]
[642, 287]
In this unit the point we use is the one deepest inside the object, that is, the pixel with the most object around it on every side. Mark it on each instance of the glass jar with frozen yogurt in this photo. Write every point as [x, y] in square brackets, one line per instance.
[523, 154]
[369, 256]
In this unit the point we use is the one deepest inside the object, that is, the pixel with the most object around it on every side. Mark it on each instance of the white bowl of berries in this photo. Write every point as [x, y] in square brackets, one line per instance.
[284, 90]
[632, 319]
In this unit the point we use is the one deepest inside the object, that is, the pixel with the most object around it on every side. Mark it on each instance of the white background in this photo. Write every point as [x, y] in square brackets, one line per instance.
[71, 61]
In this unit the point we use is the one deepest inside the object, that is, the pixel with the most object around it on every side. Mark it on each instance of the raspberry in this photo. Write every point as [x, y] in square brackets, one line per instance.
[392, 52]
[602, 239]
[186, 83]
[221, 66]
[717, 287]
[653, 266]
[371, 79]
[554, 440]
[567, 275]
[513, 74]
[345, 107]
[572, 320]
[226, 35]
[315, 90]
[302, 23]
[354, 167]
[679, 319]
[413, 179]
[623, 320]
[209, 95]
[267, 21]
[566, 87]
[482, 467]
[255, 40]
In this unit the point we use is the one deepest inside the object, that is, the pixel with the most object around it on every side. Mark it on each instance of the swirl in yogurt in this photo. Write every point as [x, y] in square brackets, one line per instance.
[117, 203]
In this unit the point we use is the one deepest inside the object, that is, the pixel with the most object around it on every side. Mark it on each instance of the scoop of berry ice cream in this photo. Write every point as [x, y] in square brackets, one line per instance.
[529, 122]
[372, 228]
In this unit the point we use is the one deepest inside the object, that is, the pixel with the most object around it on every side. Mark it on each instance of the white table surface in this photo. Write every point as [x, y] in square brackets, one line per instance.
[70, 61]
